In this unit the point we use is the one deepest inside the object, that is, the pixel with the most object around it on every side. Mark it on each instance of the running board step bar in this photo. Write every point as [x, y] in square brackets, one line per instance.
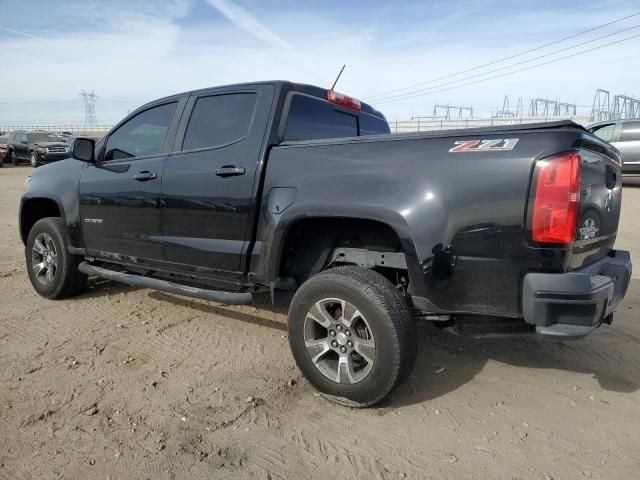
[228, 298]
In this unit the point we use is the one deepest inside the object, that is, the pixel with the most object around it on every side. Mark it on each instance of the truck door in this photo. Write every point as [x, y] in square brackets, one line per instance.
[210, 180]
[120, 197]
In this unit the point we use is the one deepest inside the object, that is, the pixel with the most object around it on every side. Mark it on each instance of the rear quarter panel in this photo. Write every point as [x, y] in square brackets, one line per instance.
[460, 216]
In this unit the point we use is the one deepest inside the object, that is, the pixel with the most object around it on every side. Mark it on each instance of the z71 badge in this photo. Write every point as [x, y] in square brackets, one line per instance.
[496, 145]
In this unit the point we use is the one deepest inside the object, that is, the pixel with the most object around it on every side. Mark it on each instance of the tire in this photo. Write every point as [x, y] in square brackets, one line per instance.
[57, 275]
[33, 158]
[14, 158]
[379, 324]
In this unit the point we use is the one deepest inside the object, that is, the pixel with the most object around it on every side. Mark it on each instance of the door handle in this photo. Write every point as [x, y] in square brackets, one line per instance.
[229, 171]
[144, 176]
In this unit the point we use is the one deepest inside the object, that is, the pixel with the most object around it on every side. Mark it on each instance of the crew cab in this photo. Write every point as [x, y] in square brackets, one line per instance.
[38, 148]
[302, 192]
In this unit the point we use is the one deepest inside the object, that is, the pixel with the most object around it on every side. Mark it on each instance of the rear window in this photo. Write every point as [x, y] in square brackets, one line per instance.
[630, 131]
[370, 125]
[312, 118]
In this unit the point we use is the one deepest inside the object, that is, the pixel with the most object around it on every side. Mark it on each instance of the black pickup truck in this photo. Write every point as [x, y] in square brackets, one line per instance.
[302, 192]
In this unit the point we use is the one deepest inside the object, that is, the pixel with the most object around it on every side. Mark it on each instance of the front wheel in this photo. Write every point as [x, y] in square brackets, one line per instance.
[33, 158]
[14, 158]
[53, 271]
[352, 335]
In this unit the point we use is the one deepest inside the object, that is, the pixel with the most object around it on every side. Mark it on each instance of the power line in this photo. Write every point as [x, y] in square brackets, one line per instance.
[382, 94]
[511, 73]
[512, 65]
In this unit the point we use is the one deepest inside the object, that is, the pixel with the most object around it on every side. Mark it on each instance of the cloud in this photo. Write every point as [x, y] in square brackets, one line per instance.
[133, 52]
[247, 22]
[23, 34]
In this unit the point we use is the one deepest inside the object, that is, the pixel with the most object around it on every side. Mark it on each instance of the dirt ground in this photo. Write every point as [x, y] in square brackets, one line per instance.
[127, 383]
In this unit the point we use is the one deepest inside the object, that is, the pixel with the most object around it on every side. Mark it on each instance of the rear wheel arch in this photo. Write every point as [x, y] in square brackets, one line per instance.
[34, 209]
[308, 243]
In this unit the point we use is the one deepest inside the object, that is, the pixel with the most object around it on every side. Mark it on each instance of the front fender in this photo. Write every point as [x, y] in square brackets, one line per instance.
[57, 182]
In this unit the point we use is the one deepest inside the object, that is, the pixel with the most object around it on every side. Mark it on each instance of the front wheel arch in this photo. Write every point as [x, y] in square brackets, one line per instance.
[35, 209]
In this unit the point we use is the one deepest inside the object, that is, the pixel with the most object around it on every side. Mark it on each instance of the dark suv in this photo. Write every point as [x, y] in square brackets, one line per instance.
[625, 136]
[39, 148]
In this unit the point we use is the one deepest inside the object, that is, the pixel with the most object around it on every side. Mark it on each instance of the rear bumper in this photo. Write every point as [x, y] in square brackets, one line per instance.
[572, 305]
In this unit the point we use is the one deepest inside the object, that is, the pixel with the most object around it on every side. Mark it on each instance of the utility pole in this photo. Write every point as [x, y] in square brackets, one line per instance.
[89, 99]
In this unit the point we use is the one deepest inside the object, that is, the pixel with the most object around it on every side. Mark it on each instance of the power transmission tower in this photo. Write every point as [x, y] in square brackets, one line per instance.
[625, 107]
[565, 109]
[506, 112]
[519, 108]
[601, 109]
[449, 108]
[89, 99]
[542, 107]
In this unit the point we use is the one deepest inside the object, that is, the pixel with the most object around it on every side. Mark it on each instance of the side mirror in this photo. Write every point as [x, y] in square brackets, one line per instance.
[83, 149]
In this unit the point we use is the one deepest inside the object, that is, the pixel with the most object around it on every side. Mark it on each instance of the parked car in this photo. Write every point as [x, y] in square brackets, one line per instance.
[3, 148]
[625, 135]
[301, 192]
[38, 148]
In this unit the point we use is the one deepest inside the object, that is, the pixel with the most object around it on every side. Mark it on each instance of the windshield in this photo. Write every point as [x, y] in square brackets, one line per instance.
[42, 137]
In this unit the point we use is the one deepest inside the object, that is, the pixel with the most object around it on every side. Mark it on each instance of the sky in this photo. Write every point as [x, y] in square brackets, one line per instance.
[130, 52]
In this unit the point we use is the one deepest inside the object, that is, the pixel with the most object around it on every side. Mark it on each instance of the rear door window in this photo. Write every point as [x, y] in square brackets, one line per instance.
[219, 120]
[630, 131]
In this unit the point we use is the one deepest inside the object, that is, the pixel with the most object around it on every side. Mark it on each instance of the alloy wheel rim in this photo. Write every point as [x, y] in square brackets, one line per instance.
[339, 341]
[44, 259]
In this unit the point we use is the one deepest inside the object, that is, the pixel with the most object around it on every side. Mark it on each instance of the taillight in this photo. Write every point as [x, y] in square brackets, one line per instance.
[343, 100]
[557, 199]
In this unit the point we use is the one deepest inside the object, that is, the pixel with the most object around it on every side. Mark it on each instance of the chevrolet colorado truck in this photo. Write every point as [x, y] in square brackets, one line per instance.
[303, 193]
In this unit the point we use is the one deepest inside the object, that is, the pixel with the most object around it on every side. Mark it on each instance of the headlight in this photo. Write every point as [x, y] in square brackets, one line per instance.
[41, 150]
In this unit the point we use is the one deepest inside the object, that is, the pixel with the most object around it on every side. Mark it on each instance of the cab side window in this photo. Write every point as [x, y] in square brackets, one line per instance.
[141, 135]
[630, 131]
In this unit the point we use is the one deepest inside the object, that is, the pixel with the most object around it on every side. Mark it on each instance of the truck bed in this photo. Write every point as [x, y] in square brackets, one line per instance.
[461, 217]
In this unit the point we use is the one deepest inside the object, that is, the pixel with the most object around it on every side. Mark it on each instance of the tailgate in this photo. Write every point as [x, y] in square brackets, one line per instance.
[600, 201]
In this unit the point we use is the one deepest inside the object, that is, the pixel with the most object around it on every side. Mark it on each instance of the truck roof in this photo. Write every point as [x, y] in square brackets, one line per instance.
[283, 85]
